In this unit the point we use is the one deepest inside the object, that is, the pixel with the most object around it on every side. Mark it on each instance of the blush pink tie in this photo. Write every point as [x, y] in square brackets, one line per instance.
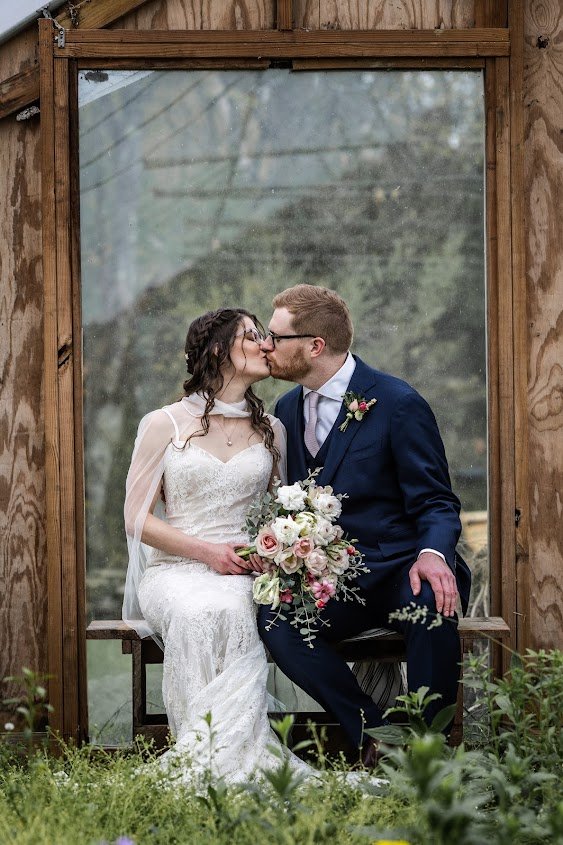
[311, 442]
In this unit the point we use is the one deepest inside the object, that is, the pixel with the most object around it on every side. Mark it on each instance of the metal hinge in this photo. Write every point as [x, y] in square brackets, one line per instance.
[60, 36]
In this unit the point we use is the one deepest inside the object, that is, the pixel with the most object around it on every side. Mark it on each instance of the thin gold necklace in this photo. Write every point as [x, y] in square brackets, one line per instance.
[228, 436]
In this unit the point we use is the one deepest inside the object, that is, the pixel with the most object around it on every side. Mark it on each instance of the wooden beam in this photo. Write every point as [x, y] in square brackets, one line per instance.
[21, 90]
[95, 15]
[519, 300]
[506, 353]
[51, 399]
[180, 44]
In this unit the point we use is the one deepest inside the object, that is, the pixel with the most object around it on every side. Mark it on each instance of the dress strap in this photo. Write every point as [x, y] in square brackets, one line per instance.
[174, 423]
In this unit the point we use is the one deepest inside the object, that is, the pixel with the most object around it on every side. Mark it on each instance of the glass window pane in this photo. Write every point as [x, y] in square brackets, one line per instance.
[212, 188]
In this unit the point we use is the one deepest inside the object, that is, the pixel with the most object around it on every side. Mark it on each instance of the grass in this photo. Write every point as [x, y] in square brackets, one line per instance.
[503, 791]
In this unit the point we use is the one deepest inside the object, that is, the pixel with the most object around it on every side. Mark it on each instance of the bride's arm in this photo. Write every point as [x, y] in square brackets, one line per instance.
[142, 493]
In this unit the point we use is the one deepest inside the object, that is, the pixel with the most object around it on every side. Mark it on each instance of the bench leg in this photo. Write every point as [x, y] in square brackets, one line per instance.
[139, 691]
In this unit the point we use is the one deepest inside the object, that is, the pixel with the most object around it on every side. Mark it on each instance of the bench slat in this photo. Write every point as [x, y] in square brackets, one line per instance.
[469, 628]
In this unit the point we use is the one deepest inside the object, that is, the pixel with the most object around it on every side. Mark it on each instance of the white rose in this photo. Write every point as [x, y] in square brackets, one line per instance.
[338, 562]
[291, 497]
[286, 530]
[328, 505]
[307, 522]
[266, 590]
[325, 532]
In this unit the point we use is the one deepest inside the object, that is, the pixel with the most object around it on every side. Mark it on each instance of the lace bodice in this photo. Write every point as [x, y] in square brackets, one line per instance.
[210, 498]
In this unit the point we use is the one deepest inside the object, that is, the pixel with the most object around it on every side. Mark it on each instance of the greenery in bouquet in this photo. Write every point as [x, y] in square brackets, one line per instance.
[308, 561]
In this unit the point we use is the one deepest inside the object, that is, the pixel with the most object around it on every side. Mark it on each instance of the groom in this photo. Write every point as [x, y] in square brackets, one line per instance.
[400, 507]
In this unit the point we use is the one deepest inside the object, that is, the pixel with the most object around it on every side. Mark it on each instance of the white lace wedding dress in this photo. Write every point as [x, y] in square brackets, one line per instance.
[214, 660]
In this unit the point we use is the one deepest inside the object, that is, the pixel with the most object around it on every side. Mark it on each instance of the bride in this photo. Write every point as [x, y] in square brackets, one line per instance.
[197, 465]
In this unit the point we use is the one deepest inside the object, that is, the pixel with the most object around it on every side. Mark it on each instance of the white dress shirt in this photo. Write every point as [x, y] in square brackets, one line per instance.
[328, 408]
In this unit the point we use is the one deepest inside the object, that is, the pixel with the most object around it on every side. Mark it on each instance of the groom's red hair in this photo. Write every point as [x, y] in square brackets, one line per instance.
[318, 311]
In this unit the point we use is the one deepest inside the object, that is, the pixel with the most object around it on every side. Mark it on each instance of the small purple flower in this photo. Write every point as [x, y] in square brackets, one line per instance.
[124, 840]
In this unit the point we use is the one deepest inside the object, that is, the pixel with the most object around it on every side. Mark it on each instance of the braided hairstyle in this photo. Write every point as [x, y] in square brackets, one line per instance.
[208, 349]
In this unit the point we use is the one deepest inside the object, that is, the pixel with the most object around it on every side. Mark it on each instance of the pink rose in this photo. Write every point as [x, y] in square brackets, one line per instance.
[353, 406]
[286, 596]
[303, 547]
[267, 544]
[363, 406]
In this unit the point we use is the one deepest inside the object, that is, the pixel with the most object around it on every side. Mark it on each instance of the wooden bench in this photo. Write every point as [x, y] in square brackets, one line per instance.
[368, 646]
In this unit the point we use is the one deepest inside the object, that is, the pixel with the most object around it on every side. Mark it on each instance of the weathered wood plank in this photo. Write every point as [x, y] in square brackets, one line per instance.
[276, 45]
[414, 63]
[78, 402]
[520, 325]
[284, 14]
[505, 351]
[543, 198]
[381, 14]
[18, 91]
[493, 328]
[65, 353]
[23, 600]
[192, 14]
[48, 218]
[469, 628]
[498, 36]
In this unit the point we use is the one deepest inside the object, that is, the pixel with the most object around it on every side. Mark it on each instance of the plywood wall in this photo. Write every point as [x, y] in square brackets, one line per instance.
[22, 483]
[543, 203]
[384, 14]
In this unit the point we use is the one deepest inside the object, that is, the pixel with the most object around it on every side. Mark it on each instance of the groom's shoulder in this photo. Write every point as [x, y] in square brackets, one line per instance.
[287, 400]
[385, 384]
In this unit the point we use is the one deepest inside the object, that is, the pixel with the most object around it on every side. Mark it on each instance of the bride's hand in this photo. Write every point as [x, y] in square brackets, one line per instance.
[223, 559]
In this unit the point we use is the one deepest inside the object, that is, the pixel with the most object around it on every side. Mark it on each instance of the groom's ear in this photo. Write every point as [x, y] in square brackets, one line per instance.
[317, 346]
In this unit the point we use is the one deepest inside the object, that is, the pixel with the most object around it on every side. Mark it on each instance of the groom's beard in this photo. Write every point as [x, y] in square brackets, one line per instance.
[291, 369]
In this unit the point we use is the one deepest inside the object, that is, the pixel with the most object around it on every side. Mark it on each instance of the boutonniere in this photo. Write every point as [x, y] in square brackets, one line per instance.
[356, 408]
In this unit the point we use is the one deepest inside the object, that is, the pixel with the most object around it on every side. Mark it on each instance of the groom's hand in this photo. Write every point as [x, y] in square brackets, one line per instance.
[429, 567]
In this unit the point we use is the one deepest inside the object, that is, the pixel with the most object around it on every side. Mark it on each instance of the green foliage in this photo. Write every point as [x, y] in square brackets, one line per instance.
[505, 792]
[31, 708]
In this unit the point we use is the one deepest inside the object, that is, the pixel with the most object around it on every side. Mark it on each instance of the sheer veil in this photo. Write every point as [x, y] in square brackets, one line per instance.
[157, 431]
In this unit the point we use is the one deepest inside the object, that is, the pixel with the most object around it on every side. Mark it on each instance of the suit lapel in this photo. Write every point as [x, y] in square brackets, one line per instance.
[295, 441]
[362, 382]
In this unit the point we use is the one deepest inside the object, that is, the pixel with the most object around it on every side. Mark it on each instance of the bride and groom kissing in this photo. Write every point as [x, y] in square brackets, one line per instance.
[198, 465]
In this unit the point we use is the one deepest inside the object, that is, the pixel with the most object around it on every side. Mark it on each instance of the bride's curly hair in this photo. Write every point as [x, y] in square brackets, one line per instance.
[208, 349]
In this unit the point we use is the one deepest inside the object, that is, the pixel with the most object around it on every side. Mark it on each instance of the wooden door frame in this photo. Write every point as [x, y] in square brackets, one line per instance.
[485, 48]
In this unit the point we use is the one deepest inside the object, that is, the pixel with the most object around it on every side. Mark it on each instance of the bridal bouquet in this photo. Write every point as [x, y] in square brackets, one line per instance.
[307, 559]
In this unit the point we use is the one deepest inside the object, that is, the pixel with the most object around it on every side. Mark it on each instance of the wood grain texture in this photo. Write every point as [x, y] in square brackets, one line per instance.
[543, 198]
[20, 53]
[505, 353]
[195, 14]
[384, 14]
[520, 324]
[50, 361]
[23, 604]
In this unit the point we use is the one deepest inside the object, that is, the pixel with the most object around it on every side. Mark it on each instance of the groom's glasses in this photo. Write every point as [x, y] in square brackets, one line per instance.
[275, 337]
[251, 334]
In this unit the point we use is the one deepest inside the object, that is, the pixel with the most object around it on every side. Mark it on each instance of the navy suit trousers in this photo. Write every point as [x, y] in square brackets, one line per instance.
[433, 656]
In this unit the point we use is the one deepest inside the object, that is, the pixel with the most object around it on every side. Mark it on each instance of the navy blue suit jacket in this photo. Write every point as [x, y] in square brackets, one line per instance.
[392, 465]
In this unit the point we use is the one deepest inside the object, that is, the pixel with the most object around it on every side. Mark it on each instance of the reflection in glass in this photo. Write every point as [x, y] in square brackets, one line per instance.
[211, 188]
